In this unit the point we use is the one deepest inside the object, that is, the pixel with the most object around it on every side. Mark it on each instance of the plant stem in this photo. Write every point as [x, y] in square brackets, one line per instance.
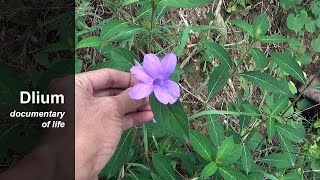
[153, 7]
[243, 57]
[297, 98]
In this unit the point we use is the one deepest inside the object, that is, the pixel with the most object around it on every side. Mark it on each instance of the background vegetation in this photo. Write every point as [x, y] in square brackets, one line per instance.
[244, 66]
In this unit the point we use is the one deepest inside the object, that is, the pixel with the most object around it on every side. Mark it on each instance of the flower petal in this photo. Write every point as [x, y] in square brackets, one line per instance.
[152, 65]
[169, 63]
[167, 92]
[140, 91]
[139, 73]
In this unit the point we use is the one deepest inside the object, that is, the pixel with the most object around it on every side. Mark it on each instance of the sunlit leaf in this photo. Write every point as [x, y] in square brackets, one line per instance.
[209, 169]
[260, 25]
[225, 149]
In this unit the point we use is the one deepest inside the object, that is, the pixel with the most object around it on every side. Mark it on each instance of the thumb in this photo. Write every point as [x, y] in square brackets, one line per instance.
[127, 104]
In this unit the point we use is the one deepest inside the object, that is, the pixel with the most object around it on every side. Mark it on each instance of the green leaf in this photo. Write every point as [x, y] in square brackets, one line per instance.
[128, 32]
[209, 169]
[288, 4]
[92, 41]
[122, 59]
[218, 78]
[163, 166]
[136, 176]
[111, 28]
[260, 25]
[264, 81]
[271, 127]
[170, 117]
[315, 8]
[201, 145]
[244, 26]
[184, 3]
[288, 150]
[277, 160]
[78, 65]
[311, 25]
[234, 155]
[219, 52]
[229, 173]
[280, 103]
[256, 176]
[296, 22]
[273, 39]
[225, 149]
[292, 176]
[258, 57]
[315, 44]
[184, 39]
[215, 129]
[296, 45]
[289, 65]
[127, 2]
[305, 58]
[144, 11]
[290, 132]
[246, 159]
[120, 155]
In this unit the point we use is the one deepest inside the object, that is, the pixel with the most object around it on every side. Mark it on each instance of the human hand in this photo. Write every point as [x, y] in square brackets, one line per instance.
[103, 110]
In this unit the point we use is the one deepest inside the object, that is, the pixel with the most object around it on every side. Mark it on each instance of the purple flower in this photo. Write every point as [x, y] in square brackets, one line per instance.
[154, 77]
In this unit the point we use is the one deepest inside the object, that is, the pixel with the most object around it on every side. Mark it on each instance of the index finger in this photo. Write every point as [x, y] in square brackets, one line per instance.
[107, 78]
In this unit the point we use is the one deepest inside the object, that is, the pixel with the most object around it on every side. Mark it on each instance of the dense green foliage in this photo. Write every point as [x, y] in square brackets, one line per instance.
[174, 148]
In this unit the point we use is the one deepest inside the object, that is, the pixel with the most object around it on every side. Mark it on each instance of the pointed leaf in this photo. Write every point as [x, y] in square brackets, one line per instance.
[219, 52]
[244, 26]
[271, 126]
[246, 159]
[120, 155]
[273, 39]
[218, 78]
[229, 173]
[170, 117]
[288, 150]
[209, 169]
[260, 25]
[225, 149]
[92, 41]
[163, 166]
[111, 28]
[128, 32]
[264, 81]
[258, 57]
[280, 103]
[277, 160]
[234, 155]
[184, 3]
[215, 130]
[201, 145]
[290, 133]
[289, 65]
